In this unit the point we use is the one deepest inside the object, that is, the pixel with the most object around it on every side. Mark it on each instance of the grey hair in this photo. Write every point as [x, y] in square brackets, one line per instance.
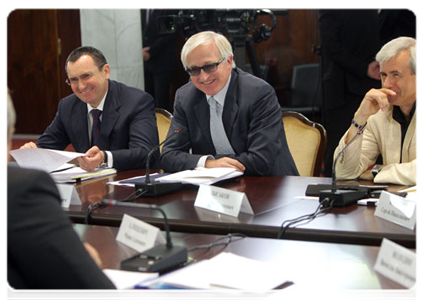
[206, 38]
[394, 47]
[11, 115]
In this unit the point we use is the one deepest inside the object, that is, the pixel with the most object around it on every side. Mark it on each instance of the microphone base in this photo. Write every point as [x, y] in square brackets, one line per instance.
[157, 259]
[155, 189]
[342, 198]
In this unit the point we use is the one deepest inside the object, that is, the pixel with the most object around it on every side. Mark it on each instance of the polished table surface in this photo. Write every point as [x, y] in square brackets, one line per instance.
[307, 264]
[273, 200]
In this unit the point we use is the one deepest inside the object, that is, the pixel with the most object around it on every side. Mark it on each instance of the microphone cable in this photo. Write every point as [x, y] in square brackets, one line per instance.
[93, 206]
[323, 208]
[231, 237]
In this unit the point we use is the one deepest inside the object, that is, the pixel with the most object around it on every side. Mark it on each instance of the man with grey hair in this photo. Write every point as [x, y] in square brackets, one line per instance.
[227, 117]
[388, 119]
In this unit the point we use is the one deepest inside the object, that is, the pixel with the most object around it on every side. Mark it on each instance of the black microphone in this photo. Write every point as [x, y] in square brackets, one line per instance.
[347, 195]
[155, 188]
[160, 258]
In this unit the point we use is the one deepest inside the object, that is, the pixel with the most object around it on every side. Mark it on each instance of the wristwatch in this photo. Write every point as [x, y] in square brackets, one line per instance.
[376, 170]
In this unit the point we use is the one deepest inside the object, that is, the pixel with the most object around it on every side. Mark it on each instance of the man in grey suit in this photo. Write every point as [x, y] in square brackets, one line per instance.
[113, 124]
[227, 117]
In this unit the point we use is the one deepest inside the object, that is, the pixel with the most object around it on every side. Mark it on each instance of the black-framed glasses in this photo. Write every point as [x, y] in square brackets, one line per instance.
[210, 68]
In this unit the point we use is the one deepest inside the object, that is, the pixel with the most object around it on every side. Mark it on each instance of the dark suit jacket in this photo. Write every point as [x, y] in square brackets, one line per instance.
[253, 123]
[349, 42]
[128, 127]
[43, 250]
[394, 23]
[162, 46]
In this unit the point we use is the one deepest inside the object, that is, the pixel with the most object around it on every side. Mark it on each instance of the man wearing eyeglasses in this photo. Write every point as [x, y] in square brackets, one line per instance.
[113, 124]
[227, 117]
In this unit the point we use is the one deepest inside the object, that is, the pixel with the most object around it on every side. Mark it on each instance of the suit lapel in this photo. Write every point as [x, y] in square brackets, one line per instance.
[230, 110]
[80, 127]
[202, 113]
[110, 115]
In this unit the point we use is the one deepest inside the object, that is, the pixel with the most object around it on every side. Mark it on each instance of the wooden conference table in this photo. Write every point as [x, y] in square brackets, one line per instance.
[273, 200]
[310, 266]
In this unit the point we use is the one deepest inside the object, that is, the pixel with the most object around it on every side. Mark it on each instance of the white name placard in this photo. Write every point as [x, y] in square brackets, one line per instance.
[396, 263]
[69, 195]
[222, 200]
[396, 209]
[138, 235]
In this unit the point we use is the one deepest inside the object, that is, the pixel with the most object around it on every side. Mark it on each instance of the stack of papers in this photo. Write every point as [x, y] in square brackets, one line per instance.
[199, 176]
[224, 271]
[76, 174]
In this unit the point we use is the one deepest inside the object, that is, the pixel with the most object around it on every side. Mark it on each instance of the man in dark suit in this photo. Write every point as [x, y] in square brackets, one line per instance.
[251, 138]
[113, 124]
[394, 23]
[159, 56]
[43, 250]
[349, 43]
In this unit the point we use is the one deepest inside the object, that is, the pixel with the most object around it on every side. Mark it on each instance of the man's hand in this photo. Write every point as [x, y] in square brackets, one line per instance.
[146, 53]
[29, 145]
[92, 159]
[373, 70]
[374, 100]
[94, 254]
[225, 162]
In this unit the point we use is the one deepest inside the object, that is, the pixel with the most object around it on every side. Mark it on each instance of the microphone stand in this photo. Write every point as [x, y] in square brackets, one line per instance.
[156, 188]
[160, 258]
[342, 197]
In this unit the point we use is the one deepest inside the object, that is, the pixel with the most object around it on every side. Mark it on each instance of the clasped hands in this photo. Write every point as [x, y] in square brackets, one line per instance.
[92, 159]
[225, 162]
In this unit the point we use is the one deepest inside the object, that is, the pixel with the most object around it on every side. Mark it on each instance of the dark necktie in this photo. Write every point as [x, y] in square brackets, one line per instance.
[95, 133]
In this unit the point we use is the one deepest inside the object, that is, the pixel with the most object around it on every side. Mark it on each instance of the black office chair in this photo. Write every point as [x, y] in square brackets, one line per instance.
[306, 92]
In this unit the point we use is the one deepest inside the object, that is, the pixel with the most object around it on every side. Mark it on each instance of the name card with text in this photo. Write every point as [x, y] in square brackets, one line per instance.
[396, 209]
[69, 195]
[396, 263]
[222, 200]
[138, 235]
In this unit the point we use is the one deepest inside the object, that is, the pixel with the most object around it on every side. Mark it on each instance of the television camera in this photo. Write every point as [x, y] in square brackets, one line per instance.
[235, 24]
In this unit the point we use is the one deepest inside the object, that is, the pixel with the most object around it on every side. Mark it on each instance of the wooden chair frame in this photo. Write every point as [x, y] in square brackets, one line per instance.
[323, 143]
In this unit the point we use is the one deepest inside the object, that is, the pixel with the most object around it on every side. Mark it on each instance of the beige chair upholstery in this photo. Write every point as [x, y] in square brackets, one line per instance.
[306, 141]
[163, 119]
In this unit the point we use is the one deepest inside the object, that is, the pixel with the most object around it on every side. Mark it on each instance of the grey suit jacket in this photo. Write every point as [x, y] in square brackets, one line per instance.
[253, 123]
[128, 127]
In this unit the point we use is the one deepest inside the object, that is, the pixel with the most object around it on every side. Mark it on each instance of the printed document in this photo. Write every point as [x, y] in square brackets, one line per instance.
[43, 159]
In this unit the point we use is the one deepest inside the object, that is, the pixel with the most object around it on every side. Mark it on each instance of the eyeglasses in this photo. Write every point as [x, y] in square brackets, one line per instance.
[83, 78]
[210, 68]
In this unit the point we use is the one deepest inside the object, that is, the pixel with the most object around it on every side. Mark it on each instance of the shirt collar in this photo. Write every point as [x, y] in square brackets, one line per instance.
[398, 116]
[100, 106]
[220, 96]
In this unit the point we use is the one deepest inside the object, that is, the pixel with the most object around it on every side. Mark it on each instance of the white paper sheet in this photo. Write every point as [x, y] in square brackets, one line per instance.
[43, 159]
[199, 176]
[127, 279]
[224, 271]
